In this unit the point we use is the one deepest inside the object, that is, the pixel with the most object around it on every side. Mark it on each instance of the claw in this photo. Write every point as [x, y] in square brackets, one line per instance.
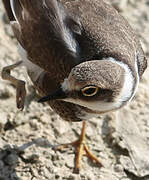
[81, 150]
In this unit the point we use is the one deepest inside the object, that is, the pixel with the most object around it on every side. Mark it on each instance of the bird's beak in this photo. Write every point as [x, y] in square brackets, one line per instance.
[58, 94]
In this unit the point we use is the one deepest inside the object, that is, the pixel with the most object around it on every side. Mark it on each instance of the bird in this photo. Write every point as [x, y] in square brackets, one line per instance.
[82, 56]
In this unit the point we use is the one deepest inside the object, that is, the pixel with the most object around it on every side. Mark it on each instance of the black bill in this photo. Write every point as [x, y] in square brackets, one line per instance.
[59, 94]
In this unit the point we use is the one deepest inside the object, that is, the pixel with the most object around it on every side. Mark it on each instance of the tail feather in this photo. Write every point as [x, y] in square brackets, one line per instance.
[48, 21]
[16, 9]
[8, 10]
[52, 11]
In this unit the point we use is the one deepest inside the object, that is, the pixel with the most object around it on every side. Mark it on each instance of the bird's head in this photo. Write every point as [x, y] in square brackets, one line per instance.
[99, 85]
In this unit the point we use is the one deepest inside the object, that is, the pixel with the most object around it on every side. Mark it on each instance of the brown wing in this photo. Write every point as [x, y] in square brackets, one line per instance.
[44, 29]
[60, 37]
[106, 33]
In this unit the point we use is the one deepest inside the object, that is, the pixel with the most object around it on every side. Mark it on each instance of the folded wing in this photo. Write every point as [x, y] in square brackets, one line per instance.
[45, 30]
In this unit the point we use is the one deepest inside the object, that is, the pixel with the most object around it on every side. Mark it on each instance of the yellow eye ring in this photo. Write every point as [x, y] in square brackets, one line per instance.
[89, 91]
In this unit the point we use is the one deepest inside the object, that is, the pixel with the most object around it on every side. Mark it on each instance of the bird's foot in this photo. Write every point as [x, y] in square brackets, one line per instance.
[20, 85]
[81, 149]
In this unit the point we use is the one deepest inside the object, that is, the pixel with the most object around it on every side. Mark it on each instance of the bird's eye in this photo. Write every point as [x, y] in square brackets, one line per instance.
[89, 90]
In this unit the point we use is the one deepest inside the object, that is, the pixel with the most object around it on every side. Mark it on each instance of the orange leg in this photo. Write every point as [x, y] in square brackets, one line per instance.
[81, 149]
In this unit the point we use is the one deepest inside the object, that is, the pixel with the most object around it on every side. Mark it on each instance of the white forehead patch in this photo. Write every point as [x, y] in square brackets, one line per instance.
[66, 85]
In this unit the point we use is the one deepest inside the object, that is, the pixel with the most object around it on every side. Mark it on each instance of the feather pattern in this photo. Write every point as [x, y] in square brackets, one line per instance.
[57, 35]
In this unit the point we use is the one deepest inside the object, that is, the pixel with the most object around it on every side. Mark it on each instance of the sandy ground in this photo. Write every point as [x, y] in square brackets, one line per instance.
[27, 137]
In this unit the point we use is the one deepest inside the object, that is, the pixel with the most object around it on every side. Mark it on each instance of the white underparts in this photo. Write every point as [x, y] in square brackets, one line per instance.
[34, 70]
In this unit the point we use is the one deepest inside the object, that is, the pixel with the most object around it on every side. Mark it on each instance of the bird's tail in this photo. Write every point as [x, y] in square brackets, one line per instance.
[54, 14]
[23, 9]
[35, 9]
[51, 17]
[8, 10]
[17, 9]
